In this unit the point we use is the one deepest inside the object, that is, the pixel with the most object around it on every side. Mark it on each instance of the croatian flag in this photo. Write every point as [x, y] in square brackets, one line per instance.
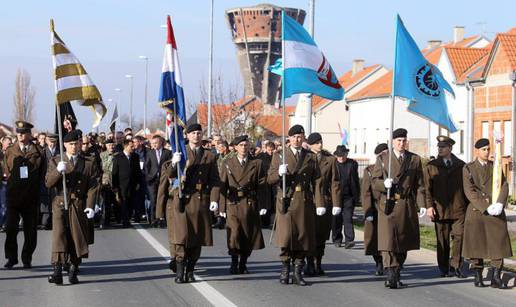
[305, 68]
[171, 95]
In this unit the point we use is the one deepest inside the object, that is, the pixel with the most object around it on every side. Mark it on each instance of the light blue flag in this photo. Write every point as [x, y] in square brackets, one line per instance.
[305, 68]
[419, 81]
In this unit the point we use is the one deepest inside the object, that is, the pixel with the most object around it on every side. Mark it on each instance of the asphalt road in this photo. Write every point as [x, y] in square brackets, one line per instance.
[127, 267]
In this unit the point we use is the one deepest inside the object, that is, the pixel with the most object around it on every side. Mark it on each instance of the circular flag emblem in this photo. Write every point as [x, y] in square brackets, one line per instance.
[426, 82]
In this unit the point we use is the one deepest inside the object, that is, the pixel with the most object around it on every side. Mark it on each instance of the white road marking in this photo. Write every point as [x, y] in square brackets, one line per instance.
[211, 294]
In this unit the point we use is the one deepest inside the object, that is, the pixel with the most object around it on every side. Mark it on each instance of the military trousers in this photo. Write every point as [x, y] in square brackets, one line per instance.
[449, 234]
[478, 263]
[392, 259]
[297, 257]
[30, 232]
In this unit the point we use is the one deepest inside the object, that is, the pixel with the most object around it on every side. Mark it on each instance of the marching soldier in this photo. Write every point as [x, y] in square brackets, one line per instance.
[24, 163]
[242, 196]
[446, 206]
[70, 232]
[330, 186]
[106, 188]
[485, 226]
[370, 200]
[295, 213]
[188, 219]
[398, 224]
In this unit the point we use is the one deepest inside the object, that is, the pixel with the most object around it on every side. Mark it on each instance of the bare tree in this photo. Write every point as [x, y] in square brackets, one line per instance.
[23, 98]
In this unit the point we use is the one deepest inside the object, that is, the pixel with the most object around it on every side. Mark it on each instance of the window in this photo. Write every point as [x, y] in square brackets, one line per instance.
[365, 139]
[485, 130]
[507, 138]
[497, 128]
[461, 140]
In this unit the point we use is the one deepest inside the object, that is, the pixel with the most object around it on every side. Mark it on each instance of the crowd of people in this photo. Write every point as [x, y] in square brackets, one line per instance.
[306, 197]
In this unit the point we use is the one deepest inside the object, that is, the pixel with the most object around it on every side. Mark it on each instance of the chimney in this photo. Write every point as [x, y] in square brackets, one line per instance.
[434, 43]
[358, 65]
[458, 34]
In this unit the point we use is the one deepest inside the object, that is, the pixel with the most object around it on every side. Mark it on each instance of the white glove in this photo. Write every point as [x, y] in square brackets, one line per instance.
[422, 212]
[89, 213]
[97, 209]
[263, 211]
[336, 210]
[176, 158]
[495, 209]
[369, 218]
[282, 170]
[222, 214]
[214, 206]
[388, 183]
[320, 211]
[61, 166]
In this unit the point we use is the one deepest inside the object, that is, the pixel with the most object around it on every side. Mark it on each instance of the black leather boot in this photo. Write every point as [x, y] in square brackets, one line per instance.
[285, 273]
[397, 271]
[72, 275]
[57, 276]
[180, 274]
[242, 265]
[233, 269]
[496, 280]
[479, 278]
[318, 266]
[172, 265]
[190, 267]
[379, 269]
[298, 274]
[390, 281]
[310, 267]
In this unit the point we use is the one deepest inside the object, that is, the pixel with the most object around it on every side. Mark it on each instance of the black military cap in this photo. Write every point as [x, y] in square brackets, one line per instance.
[72, 136]
[380, 147]
[52, 136]
[109, 141]
[239, 139]
[399, 133]
[341, 150]
[23, 127]
[481, 143]
[193, 127]
[443, 141]
[314, 138]
[296, 129]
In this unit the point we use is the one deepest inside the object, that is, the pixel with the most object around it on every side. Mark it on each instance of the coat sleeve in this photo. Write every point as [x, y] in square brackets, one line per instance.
[52, 176]
[115, 173]
[273, 176]
[318, 183]
[366, 195]
[223, 187]
[164, 184]
[147, 167]
[427, 174]
[336, 191]
[214, 181]
[504, 192]
[262, 187]
[472, 192]
[356, 182]
[377, 176]
[93, 185]
[420, 181]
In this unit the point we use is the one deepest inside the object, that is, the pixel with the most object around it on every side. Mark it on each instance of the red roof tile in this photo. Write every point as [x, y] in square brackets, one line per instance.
[463, 58]
[508, 45]
[381, 87]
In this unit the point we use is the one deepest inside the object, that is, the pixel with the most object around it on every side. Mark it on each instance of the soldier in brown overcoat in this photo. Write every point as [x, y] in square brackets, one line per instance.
[188, 219]
[332, 201]
[70, 232]
[398, 224]
[242, 200]
[295, 213]
[485, 226]
[370, 199]
[446, 206]
[24, 164]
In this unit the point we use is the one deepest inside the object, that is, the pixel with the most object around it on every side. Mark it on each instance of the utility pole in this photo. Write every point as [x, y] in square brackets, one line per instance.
[146, 59]
[210, 72]
[309, 96]
[513, 134]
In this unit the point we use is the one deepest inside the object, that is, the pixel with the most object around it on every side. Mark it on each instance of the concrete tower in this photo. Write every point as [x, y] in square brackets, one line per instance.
[256, 32]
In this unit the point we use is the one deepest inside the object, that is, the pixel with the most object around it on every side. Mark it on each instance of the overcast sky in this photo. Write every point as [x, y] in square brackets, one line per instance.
[108, 36]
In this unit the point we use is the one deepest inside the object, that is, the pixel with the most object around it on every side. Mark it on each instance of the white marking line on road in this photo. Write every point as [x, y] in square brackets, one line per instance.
[213, 296]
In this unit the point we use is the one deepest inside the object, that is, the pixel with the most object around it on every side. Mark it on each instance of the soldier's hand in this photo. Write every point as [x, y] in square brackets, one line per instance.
[222, 214]
[336, 210]
[320, 211]
[282, 170]
[263, 211]
[61, 166]
[422, 212]
[89, 213]
[387, 183]
[495, 209]
[430, 212]
[369, 218]
[176, 158]
[214, 206]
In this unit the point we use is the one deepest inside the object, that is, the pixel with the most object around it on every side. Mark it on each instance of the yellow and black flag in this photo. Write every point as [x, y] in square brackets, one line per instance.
[72, 82]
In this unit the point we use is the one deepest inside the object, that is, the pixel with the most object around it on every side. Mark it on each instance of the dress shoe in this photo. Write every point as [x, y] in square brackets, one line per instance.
[242, 265]
[337, 244]
[10, 263]
[27, 265]
[233, 268]
[349, 245]
[57, 275]
[310, 267]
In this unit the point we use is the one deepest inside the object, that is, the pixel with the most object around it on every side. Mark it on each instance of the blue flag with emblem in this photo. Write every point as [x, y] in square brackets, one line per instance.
[419, 81]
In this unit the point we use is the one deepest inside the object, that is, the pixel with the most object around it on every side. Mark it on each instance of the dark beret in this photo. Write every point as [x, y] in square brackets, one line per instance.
[380, 147]
[239, 139]
[443, 140]
[72, 136]
[23, 127]
[193, 127]
[399, 133]
[481, 143]
[296, 129]
[341, 150]
[314, 138]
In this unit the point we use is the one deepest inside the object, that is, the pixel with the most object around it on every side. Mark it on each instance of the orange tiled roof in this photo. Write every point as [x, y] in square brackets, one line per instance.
[463, 58]
[433, 55]
[508, 45]
[381, 87]
[473, 72]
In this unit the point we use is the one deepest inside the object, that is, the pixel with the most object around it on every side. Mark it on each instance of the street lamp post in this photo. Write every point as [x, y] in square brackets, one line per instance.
[513, 133]
[119, 91]
[130, 77]
[146, 59]
[210, 73]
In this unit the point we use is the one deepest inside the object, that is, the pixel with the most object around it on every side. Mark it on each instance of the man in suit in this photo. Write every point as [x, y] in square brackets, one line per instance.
[485, 226]
[24, 163]
[152, 168]
[51, 150]
[296, 210]
[126, 178]
[398, 223]
[270, 192]
[350, 194]
[446, 206]
[142, 151]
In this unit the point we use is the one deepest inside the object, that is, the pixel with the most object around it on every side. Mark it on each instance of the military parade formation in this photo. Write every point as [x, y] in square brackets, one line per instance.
[309, 196]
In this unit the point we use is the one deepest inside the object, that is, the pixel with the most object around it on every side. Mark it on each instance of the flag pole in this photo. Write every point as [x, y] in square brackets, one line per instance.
[391, 128]
[59, 124]
[176, 139]
[283, 112]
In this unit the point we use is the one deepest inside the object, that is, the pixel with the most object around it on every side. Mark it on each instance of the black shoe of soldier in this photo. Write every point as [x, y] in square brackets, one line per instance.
[10, 263]
[27, 265]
